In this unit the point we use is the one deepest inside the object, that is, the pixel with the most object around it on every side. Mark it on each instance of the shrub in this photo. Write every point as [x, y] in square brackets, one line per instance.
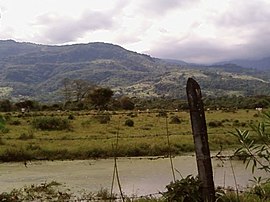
[186, 189]
[129, 122]
[256, 115]
[238, 123]
[104, 194]
[175, 120]
[71, 117]
[43, 192]
[51, 123]
[162, 114]
[215, 124]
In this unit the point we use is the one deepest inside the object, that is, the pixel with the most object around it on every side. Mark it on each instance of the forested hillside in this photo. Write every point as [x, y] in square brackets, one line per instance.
[37, 71]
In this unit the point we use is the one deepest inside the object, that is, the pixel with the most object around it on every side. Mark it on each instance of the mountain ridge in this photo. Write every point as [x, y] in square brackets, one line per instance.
[36, 71]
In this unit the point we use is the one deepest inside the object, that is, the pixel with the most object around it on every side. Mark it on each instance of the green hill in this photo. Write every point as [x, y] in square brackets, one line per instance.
[37, 71]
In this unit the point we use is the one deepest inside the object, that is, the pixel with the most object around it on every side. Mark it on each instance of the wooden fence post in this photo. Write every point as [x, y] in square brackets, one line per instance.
[200, 138]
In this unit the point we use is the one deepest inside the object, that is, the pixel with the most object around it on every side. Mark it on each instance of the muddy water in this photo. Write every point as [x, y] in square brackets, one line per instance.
[138, 176]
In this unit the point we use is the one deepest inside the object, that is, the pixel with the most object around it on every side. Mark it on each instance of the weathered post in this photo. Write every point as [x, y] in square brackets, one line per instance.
[200, 138]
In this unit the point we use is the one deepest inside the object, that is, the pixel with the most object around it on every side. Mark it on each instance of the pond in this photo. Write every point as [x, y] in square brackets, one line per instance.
[139, 176]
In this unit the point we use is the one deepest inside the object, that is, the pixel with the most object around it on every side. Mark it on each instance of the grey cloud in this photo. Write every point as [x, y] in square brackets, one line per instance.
[203, 51]
[190, 51]
[65, 29]
[160, 7]
[245, 13]
[247, 19]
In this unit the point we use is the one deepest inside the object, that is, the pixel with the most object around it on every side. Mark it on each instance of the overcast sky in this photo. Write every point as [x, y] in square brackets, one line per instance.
[201, 31]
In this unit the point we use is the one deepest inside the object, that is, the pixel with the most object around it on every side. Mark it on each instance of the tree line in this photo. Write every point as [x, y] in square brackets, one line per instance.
[83, 95]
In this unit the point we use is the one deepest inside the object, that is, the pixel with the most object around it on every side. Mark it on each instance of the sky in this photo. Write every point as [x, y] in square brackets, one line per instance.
[198, 31]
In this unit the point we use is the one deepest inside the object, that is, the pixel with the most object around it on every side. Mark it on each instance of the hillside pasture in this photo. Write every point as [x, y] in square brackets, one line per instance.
[87, 135]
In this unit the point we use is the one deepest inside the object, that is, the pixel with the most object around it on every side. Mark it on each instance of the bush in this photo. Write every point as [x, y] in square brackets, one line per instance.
[175, 120]
[186, 189]
[162, 114]
[215, 124]
[43, 192]
[129, 122]
[238, 123]
[104, 194]
[71, 117]
[51, 123]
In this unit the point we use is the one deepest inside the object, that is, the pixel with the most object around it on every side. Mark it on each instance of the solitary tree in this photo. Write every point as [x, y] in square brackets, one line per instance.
[81, 88]
[76, 91]
[100, 97]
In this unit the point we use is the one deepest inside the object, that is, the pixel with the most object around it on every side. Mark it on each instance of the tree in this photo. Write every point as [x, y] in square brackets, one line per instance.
[76, 91]
[5, 106]
[81, 88]
[67, 90]
[100, 97]
[126, 103]
[27, 104]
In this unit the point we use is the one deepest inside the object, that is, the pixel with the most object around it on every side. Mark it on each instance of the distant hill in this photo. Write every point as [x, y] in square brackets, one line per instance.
[36, 71]
[178, 62]
[260, 64]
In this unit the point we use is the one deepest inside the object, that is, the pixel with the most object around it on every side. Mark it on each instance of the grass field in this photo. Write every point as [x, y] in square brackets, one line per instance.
[86, 137]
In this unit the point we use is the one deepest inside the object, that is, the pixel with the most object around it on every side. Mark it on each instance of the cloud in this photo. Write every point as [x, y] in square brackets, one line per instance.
[191, 30]
[237, 31]
[245, 13]
[161, 7]
[62, 29]
[201, 50]
[198, 50]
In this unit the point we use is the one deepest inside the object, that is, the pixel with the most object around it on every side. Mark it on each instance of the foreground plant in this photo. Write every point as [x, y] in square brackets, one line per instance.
[43, 192]
[53, 191]
[255, 148]
[186, 189]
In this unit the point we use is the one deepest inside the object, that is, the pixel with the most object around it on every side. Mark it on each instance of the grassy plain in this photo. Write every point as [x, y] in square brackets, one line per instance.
[88, 138]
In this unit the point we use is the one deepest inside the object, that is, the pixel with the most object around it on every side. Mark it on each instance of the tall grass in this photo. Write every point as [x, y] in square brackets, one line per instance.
[54, 136]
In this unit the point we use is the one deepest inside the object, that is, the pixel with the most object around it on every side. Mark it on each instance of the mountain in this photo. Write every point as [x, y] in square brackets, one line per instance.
[260, 64]
[37, 71]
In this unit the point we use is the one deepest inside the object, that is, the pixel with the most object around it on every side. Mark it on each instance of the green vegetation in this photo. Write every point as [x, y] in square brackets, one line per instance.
[90, 134]
[255, 144]
[51, 123]
[37, 71]
[186, 189]
[129, 122]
